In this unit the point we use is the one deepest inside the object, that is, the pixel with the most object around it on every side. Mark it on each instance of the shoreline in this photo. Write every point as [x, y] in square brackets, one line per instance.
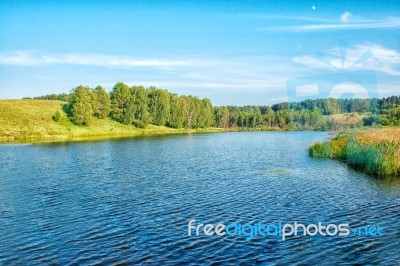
[37, 137]
[22, 137]
[31, 121]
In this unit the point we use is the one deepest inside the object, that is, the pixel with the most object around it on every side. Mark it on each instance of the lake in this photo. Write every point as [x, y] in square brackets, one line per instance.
[130, 201]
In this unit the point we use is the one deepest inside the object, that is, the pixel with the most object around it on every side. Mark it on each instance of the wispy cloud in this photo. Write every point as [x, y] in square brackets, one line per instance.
[255, 74]
[285, 17]
[264, 76]
[387, 23]
[35, 58]
[345, 17]
[382, 59]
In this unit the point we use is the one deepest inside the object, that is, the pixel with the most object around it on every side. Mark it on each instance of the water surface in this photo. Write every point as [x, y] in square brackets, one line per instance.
[131, 200]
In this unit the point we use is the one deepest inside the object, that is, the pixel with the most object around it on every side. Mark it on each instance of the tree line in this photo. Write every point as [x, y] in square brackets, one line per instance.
[140, 106]
[311, 114]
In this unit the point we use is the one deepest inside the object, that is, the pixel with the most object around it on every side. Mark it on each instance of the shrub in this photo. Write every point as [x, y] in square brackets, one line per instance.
[372, 120]
[57, 116]
[320, 150]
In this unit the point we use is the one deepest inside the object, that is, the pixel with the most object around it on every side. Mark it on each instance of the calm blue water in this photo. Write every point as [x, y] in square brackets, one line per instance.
[130, 201]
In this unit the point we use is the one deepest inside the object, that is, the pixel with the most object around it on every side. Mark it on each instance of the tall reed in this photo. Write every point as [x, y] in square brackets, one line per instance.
[377, 157]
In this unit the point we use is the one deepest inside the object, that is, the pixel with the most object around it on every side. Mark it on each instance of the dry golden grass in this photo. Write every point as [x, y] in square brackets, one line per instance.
[388, 137]
[347, 119]
[383, 134]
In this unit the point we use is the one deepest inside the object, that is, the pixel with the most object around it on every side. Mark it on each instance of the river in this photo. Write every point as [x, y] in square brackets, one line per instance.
[130, 201]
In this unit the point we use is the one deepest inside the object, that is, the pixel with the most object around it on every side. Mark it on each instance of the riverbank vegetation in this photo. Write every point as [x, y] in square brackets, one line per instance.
[141, 106]
[32, 120]
[319, 114]
[128, 110]
[375, 152]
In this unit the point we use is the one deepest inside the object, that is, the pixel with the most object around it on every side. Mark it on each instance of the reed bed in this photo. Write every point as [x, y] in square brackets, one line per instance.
[375, 152]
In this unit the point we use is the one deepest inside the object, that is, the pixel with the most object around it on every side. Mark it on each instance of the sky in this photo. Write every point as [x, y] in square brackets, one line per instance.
[232, 52]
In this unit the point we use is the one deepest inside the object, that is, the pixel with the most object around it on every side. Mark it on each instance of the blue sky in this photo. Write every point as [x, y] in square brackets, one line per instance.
[233, 53]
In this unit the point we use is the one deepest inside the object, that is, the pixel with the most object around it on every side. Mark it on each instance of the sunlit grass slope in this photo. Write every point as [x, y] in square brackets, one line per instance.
[32, 120]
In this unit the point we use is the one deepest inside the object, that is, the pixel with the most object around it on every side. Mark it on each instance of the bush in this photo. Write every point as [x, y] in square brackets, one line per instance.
[320, 150]
[57, 116]
[372, 120]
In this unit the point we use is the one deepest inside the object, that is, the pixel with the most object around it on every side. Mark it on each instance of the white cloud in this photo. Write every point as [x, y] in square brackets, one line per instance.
[387, 23]
[34, 58]
[222, 84]
[382, 59]
[345, 17]
[198, 75]
[205, 76]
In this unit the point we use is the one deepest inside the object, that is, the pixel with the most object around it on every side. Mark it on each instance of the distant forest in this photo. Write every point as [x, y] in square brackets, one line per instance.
[140, 106]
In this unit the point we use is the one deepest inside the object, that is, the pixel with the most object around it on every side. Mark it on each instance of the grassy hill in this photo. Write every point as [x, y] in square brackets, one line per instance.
[29, 120]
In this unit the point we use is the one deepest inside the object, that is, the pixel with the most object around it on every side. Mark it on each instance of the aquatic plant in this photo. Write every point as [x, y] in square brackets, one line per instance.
[373, 154]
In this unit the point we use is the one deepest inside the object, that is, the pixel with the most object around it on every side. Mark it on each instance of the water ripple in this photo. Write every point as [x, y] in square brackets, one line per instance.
[127, 202]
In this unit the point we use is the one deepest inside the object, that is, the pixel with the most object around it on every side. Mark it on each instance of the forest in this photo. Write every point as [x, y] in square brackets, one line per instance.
[140, 106]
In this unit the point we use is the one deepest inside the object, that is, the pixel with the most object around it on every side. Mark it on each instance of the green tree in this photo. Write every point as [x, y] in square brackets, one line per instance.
[222, 116]
[254, 118]
[206, 117]
[234, 115]
[159, 106]
[81, 106]
[242, 119]
[142, 116]
[193, 111]
[101, 102]
[332, 106]
[317, 120]
[122, 104]
[178, 111]
[270, 116]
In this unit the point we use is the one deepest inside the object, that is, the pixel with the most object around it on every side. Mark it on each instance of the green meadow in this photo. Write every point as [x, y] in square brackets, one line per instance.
[32, 120]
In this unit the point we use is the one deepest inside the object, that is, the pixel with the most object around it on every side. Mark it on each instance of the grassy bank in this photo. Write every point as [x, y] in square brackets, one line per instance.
[375, 152]
[31, 120]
